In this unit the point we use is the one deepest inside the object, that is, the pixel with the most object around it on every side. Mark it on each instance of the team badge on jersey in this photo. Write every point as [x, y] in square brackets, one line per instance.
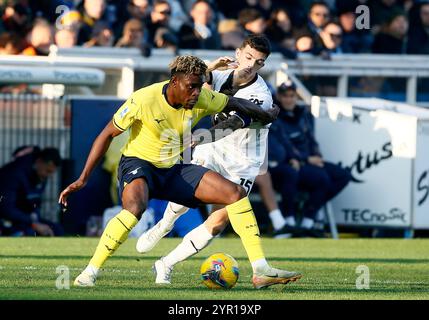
[124, 112]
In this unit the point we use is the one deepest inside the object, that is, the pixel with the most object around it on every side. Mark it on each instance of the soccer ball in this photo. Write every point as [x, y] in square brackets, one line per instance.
[219, 271]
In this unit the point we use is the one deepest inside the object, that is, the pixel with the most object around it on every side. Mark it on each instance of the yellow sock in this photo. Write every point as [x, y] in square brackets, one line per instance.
[244, 223]
[114, 235]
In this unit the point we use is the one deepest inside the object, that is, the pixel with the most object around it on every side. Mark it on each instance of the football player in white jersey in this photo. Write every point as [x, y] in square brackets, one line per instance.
[239, 157]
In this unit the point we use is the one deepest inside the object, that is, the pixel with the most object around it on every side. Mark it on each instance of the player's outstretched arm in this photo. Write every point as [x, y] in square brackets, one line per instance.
[219, 130]
[98, 149]
[252, 110]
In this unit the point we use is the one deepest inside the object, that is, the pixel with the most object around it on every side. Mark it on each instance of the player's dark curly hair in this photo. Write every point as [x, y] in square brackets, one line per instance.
[258, 42]
[188, 65]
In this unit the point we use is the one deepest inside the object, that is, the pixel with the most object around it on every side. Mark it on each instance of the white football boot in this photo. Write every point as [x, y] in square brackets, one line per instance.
[162, 272]
[85, 280]
[150, 238]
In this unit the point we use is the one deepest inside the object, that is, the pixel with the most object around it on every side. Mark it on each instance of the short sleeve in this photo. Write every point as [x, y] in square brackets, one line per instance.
[211, 102]
[127, 114]
[214, 77]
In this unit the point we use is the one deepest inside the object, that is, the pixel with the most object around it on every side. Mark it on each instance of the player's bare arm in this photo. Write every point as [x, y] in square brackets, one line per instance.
[98, 149]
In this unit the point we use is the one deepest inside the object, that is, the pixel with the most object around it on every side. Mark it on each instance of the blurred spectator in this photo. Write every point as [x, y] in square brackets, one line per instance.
[164, 38]
[159, 18]
[231, 34]
[279, 31]
[66, 38]
[381, 12]
[71, 20]
[332, 37]
[265, 7]
[296, 164]
[252, 21]
[318, 17]
[93, 12]
[133, 37]
[418, 33]
[40, 39]
[101, 36]
[138, 9]
[17, 18]
[354, 40]
[22, 183]
[202, 32]
[178, 15]
[392, 35]
[11, 43]
[304, 44]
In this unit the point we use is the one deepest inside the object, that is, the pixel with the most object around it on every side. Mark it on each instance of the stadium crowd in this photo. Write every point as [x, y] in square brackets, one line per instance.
[320, 27]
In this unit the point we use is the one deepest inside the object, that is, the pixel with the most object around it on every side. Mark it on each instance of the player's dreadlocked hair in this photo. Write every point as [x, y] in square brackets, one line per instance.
[188, 65]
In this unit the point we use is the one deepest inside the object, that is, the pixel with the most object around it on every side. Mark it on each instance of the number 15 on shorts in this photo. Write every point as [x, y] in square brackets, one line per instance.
[247, 184]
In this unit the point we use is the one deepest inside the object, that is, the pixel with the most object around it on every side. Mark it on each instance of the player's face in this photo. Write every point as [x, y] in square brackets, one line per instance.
[249, 61]
[188, 89]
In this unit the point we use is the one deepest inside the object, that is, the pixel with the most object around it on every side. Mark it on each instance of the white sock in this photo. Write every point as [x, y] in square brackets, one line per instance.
[307, 223]
[90, 269]
[259, 266]
[172, 213]
[193, 242]
[277, 219]
[290, 220]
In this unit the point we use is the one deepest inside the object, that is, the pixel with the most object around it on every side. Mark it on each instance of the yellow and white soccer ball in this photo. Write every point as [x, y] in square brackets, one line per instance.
[219, 271]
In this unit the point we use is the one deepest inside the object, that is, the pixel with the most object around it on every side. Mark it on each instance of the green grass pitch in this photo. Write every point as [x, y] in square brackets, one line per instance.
[398, 269]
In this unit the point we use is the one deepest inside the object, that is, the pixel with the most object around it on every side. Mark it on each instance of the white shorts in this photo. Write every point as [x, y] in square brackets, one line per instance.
[240, 174]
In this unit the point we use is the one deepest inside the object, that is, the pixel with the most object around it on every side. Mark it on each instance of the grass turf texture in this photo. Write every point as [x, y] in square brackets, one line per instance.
[399, 269]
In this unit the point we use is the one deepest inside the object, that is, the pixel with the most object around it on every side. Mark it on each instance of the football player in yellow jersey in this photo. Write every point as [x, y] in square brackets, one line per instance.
[159, 118]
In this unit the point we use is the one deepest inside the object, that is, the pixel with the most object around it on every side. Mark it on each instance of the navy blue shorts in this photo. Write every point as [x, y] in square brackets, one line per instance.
[177, 184]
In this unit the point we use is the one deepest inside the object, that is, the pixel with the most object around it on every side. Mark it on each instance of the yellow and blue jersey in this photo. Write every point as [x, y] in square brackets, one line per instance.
[157, 128]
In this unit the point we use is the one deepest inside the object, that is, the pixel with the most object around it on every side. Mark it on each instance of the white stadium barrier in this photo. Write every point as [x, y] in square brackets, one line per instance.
[51, 75]
[384, 143]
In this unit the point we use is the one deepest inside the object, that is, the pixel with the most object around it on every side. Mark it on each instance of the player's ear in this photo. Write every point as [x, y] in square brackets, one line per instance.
[237, 53]
[173, 80]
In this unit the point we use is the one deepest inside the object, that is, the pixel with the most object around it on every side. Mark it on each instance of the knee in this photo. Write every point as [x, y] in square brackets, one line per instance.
[136, 208]
[237, 193]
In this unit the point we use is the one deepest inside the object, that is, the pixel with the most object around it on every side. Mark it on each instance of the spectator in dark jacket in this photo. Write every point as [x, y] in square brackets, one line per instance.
[318, 17]
[22, 183]
[392, 37]
[298, 164]
[202, 32]
[92, 12]
[159, 18]
[418, 34]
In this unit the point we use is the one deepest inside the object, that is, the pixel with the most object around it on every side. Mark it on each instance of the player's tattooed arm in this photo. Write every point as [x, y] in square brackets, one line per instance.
[252, 110]
[218, 131]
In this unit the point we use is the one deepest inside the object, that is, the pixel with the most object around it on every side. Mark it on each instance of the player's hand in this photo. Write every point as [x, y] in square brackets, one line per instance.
[75, 186]
[222, 63]
[43, 229]
[271, 115]
[315, 161]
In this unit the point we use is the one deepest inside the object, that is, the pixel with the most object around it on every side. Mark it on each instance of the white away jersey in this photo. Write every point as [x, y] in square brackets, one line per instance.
[243, 152]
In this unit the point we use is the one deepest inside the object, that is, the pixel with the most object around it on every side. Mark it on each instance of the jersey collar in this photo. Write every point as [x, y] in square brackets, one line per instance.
[164, 93]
